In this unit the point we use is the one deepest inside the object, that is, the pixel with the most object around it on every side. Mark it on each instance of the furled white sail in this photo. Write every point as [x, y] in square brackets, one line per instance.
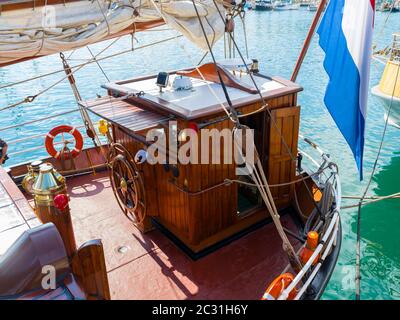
[50, 29]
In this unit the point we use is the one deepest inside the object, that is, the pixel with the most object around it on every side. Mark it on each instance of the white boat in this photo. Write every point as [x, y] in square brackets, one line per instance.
[388, 89]
[284, 6]
[312, 7]
[264, 5]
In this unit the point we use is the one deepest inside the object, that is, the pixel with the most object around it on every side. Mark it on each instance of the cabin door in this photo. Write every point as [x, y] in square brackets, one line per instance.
[281, 165]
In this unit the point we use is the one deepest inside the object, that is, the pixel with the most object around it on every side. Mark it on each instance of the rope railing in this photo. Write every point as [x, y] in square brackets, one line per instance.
[39, 120]
[329, 238]
[39, 147]
[36, 136]
[322, 249]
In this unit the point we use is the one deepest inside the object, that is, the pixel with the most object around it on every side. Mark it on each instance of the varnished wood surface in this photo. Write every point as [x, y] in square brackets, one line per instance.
[90, 268]
[124, 114]
[84, 162]
[62, 220]
[211, 72]
[283, 140]
[210, 216]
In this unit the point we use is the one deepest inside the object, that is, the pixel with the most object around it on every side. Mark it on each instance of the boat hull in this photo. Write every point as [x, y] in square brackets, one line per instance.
[286, 8]
[390, 105]
[263, 8]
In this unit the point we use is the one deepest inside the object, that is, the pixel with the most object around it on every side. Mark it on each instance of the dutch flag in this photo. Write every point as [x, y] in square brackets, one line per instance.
[346, 37]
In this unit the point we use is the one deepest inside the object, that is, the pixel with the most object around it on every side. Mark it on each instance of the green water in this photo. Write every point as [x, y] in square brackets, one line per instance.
[275, 38]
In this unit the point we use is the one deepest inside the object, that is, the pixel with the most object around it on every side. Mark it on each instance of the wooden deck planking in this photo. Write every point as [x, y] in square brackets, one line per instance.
[124, 114]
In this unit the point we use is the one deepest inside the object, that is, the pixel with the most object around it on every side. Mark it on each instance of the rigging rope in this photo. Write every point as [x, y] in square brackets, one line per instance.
[98, 64]
[257, 172]
[90, 61]
[29, 99]
[273, 121]
[385, 23]
[360, 203]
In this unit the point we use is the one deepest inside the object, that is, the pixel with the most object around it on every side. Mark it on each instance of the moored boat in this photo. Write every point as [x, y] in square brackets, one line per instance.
[264, 5]
[312, 7]
[388, 90]
[285, 6]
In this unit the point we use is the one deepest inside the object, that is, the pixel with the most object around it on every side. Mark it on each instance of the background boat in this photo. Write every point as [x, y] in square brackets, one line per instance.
[263, 5]
[284, 6]
[312, 6]
[388, 90]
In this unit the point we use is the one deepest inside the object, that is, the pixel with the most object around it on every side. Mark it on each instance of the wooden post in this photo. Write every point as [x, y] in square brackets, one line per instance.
[308, 39]
[47, 187]
[90, 268]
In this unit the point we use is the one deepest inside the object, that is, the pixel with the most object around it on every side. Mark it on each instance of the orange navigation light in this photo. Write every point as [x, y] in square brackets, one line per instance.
[312, 240]
[311, 245]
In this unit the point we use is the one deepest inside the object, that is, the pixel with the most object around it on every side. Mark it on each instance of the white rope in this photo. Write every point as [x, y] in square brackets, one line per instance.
[31, 98]
[90, 61]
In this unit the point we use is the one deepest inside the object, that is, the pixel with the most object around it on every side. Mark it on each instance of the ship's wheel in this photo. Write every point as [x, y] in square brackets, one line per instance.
[127, 183]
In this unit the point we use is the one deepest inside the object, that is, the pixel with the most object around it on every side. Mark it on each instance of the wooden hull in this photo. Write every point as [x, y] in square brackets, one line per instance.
[91, 159]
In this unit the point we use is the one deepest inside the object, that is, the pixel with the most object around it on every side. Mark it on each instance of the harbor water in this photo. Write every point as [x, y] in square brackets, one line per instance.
[275, 39]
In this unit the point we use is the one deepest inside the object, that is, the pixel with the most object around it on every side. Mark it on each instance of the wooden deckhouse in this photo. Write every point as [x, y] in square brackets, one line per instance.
[191, 201]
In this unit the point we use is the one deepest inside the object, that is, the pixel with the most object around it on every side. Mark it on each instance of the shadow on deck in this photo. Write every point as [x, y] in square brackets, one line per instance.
[150, 266]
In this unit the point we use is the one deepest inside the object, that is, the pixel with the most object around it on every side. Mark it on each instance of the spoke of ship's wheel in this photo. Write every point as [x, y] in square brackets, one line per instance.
[117, 175]
[131, 199]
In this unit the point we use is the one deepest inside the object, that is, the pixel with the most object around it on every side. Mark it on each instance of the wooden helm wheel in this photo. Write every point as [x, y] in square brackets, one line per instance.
[127, 183]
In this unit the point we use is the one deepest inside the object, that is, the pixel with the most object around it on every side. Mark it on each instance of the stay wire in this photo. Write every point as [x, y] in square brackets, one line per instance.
[232, 109]
[360, 203]
[268, 111]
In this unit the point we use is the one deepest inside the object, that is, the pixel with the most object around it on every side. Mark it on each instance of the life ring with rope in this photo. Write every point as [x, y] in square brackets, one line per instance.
[277, 286]
[49, 142]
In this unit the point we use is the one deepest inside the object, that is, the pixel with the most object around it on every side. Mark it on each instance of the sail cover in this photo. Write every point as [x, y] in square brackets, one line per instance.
[27, 32]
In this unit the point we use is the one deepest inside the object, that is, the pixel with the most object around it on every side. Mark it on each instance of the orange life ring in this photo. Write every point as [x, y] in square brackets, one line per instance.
[64, 129]
[277, 286]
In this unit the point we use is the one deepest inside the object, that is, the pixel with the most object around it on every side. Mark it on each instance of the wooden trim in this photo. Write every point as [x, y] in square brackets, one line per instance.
[243, 223]
[159, 105]
[89, 266]
[211, 72]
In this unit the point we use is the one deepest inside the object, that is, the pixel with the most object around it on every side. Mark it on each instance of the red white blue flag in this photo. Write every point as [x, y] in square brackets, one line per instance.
[345, 34]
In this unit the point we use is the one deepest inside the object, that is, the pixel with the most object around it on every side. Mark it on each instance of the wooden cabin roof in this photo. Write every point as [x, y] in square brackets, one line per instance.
[204, 98]
[123, 113]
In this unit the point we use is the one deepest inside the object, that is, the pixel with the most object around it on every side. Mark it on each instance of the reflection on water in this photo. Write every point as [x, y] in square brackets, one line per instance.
[275, 39]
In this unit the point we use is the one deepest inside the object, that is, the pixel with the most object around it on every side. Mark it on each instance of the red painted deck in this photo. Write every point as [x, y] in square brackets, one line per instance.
[154, 268]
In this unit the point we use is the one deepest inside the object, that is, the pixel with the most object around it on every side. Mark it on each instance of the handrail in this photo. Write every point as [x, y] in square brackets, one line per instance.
[331, 243]
[38, 120]
[39, 147]
[310, 261]
[36, 136]
[328, 239]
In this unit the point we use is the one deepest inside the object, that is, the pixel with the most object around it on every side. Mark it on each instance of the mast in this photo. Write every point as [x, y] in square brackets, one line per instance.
[308, 39]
